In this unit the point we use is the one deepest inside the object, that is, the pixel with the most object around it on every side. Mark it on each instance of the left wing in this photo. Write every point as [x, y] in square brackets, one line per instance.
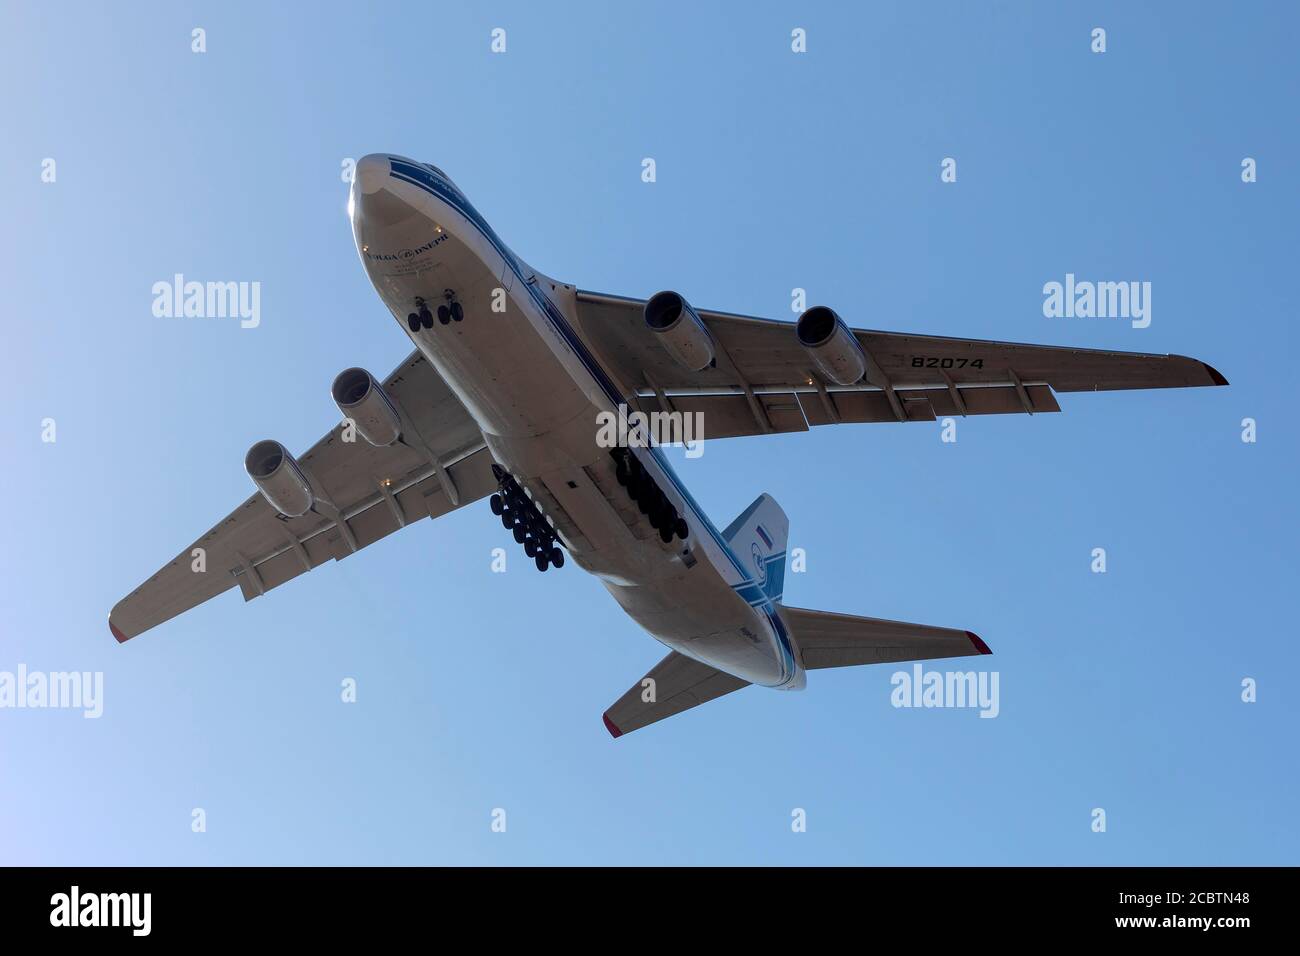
[364, 492]
[765, 382]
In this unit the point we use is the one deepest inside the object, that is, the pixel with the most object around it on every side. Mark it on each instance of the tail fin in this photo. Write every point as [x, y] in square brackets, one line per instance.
[758, 537]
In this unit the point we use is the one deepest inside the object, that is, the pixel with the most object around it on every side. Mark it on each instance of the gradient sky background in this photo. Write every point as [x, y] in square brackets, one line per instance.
[775, 170]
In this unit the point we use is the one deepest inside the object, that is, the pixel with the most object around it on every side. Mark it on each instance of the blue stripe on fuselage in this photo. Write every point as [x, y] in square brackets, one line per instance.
[423, 178]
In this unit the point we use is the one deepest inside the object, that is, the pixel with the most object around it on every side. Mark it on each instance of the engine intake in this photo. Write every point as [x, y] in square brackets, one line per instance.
[833, 348]
[681, 331]
[278, 478]
[363, 400]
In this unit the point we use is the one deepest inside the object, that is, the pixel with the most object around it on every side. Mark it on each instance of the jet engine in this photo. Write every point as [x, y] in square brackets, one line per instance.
[278, 478]
[833, 348]
[364, 401]
[680, 330]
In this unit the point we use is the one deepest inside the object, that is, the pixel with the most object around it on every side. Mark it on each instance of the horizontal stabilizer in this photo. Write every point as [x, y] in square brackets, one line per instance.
[841, 640]
[675, 684]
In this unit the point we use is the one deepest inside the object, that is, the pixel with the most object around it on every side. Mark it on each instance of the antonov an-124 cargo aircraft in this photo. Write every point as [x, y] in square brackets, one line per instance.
[502, 397]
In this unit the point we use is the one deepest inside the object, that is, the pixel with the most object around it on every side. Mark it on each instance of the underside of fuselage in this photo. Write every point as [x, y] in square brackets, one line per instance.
[507, 341]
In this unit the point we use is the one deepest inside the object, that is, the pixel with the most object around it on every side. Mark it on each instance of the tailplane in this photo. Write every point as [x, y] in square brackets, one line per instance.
[826, 639]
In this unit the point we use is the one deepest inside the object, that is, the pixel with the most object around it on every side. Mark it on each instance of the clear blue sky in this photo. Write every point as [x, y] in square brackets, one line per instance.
[775, 171]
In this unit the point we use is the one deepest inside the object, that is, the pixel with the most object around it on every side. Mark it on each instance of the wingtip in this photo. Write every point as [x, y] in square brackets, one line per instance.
[609, 725]
[1215, 375]
[976, 640]
[121, 638]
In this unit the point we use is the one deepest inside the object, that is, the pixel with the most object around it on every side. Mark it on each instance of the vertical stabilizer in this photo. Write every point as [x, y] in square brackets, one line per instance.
[758, 537]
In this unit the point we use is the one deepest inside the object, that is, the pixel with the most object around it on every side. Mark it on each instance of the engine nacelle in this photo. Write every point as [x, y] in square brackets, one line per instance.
[363, 400]
[680, 330]
[833, 348]
[278, 478]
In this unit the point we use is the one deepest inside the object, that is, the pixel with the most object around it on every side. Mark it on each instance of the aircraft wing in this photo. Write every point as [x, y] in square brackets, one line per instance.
[765, 382]
[439, 465]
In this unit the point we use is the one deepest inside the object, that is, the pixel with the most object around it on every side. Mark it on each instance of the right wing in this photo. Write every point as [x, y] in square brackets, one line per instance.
[439, 465]
[764, 381]
[675, 684]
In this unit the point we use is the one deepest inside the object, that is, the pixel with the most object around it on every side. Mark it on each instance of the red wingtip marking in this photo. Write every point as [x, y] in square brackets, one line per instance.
[121, 638]
[979, 644]
[609, 725]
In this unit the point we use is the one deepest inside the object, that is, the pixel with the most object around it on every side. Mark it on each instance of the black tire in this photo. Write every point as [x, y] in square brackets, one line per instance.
[457, 313]
[681, 529]
[444, 314]
[530, 546]
[519, 533]
[557, 557]
[413, 322]
[666, 533]
[621, 473]
[426, 318]
[541, 562]
[496, 504]
[507, 520]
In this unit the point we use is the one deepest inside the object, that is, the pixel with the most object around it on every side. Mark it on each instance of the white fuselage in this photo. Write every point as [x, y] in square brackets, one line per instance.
[520, 364]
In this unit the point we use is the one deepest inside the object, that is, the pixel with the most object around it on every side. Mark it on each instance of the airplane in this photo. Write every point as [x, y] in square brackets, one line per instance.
[510, 373]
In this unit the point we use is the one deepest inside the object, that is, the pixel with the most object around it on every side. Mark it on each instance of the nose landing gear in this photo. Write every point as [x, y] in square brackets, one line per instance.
[422, 318]
[520, 515]
[450, 310]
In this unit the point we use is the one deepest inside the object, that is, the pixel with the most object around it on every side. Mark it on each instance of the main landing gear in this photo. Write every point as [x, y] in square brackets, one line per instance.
[649, 497]
[519, 514]
[449, 311]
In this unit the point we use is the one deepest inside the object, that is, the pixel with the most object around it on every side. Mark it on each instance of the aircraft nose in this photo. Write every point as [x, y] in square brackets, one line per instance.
[371, 173]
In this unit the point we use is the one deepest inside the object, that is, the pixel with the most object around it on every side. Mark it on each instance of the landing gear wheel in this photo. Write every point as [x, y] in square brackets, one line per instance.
[457, 313]
[557, 557]
[507, 519]
[541, 562]
[666, 534]
[530, 547]
[426, 318]
[444, 314]
[681, 529]
[519, 534]
[496, 504]
[413, 322]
